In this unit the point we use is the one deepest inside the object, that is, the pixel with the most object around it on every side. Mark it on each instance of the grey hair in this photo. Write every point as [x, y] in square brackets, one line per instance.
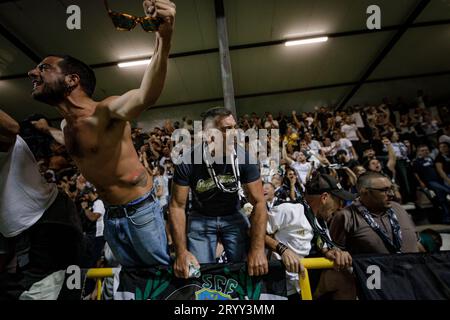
[365, 180]
[211, 115]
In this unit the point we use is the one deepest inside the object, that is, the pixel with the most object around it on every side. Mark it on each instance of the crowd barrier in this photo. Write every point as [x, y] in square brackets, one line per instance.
[309, 264]
[410, 276]
[99, 274]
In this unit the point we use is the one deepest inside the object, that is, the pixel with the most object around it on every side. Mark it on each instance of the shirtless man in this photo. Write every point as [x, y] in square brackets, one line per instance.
[97, 135]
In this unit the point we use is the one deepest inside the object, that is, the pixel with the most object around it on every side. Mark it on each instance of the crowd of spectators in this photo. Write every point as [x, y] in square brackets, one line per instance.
[409, 143]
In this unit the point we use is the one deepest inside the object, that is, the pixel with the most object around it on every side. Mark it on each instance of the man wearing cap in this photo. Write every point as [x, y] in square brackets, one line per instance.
[373, 224]
[324, 196]
[301, 225]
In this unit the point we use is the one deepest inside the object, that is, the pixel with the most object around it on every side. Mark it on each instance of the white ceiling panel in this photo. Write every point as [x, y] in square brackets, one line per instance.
[41, 26]
[188, 79]
[299, 101]
[258, 21]
[279, 67]
[436, 10]
[420, 50]
[12, 60]
[435, 87]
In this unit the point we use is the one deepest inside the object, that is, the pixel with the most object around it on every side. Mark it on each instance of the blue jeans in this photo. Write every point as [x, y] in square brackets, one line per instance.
[138, 239]
[204, 232]
[442, 191]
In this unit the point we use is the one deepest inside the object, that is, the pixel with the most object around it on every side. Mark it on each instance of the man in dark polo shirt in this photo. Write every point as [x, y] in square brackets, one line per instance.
[374, 224]
[215, 215]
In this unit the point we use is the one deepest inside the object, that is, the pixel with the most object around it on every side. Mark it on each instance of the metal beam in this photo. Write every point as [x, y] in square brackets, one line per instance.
[225, 61]
[19, 44]
[260, 94]
[253, 45]
[303, 89]
[390, 45]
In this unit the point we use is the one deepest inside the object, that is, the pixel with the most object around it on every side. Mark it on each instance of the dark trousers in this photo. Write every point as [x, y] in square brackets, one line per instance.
[405, 180]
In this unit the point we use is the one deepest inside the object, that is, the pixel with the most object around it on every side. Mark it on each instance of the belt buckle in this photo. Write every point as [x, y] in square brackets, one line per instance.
[116, 212]
[136, 206]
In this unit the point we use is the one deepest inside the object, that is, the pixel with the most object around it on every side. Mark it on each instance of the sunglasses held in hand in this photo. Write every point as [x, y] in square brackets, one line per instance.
[126, 22]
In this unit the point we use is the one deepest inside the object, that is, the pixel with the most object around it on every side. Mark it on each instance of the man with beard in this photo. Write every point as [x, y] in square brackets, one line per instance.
[217, 187]
[374, 224]
[97, 135]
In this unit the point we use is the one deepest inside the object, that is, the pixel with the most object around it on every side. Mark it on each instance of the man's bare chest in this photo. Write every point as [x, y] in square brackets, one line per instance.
[82, 140]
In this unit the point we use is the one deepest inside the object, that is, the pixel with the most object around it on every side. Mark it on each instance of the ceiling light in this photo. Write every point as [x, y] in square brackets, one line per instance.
[134, 63]
[305, 41]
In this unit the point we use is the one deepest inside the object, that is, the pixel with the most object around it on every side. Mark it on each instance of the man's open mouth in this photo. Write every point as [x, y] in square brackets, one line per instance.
[36, 83]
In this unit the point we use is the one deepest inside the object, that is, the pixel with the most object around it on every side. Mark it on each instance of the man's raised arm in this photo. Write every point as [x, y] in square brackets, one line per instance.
[130, 105]
[43, 126]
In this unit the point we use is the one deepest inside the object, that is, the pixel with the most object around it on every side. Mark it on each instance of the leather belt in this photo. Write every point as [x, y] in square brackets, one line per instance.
[122, 211]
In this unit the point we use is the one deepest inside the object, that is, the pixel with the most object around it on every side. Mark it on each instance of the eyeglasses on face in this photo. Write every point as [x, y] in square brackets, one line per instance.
[385, 190]
[126, 22]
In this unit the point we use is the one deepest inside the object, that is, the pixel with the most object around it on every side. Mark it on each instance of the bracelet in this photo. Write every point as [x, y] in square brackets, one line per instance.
[281, 248]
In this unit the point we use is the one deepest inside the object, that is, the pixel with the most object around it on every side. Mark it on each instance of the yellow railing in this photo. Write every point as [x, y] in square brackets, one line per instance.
[312, 263]
[309, 263]
[99, 274]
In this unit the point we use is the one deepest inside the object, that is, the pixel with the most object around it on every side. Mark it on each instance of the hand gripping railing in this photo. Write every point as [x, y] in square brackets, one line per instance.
[99, 274]
[309, 263]
[312, 263]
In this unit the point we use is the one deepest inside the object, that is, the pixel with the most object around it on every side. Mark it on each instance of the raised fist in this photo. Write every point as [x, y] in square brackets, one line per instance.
[163, 9]
[41, 125]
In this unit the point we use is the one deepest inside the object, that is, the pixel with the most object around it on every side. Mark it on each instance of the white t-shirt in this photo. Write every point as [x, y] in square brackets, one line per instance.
[99, 207]
[345, 144]
[163, 182]
[358, 119]
[302, 170]
[268, 124]
[289, 225]
[264, 168]
[315, 146]
[350, 131]
[329, 151]
[24, 193]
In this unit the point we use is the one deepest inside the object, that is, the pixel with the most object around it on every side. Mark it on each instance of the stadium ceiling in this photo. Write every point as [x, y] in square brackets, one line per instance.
[355, 65]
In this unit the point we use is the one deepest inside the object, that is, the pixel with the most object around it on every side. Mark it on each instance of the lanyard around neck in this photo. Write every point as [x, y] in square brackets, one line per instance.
[394, 246]
[213, 175]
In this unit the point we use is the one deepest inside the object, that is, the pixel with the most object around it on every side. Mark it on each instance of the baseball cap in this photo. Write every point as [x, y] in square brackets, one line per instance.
[87, 190]
[321, 183]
